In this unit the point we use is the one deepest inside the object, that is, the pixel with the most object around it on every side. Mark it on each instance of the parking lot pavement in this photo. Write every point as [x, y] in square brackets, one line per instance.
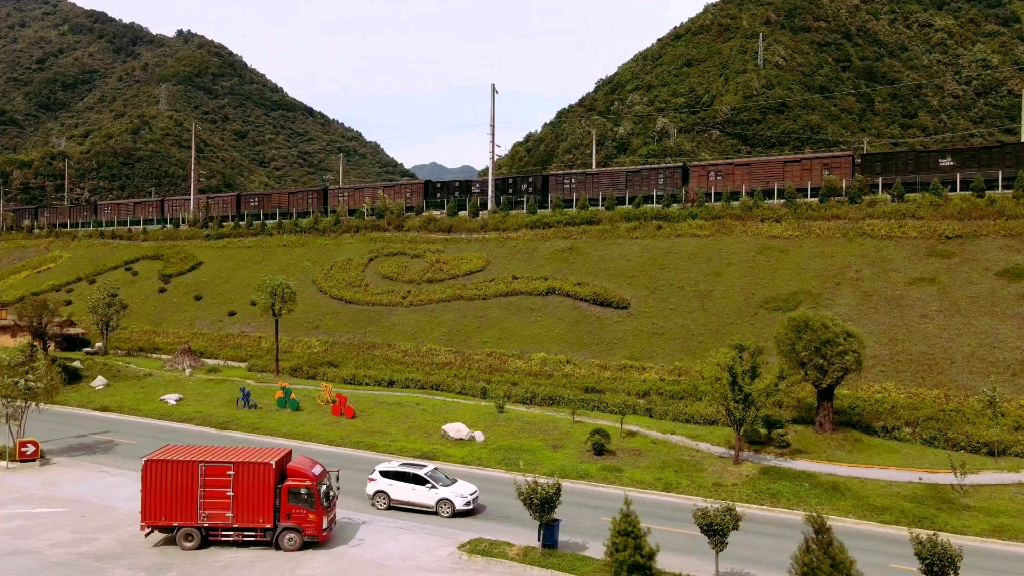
[78, 518]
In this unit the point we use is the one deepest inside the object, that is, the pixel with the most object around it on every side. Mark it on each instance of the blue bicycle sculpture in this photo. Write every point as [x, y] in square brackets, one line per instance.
[246, 400]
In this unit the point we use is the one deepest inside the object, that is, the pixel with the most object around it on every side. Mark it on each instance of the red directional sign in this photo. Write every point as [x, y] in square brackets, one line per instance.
[28, 450]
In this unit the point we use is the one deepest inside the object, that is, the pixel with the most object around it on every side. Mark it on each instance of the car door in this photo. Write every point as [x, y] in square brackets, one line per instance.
[299, 508]
[396, 484]
[422, 492]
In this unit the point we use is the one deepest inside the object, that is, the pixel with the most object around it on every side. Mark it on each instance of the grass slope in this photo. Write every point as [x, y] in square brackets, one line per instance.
[935, 313]
[79, 84]
[538, 443]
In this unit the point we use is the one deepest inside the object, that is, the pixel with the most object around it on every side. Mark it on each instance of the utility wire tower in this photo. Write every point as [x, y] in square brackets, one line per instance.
[490, 166]
[760, 50]
[192, 181]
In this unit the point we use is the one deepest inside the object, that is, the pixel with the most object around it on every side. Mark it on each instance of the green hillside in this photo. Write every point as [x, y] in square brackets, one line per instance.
[119, 102]
[951, 67]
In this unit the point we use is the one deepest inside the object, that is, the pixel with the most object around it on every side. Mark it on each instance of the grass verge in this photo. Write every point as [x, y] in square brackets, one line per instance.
[542, 444]
[567, 562]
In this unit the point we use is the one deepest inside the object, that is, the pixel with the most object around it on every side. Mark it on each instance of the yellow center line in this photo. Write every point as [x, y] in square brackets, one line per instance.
[902, 567]
[663, 528]
[113, 439]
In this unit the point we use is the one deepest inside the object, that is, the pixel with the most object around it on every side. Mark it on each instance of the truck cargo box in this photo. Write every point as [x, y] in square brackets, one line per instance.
[212, 486]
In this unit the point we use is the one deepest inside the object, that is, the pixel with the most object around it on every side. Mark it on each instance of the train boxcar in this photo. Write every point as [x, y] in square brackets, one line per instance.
[24, 215]
[151, 210]
[115, 211]
[649, 182]
[306, 202]
[177, 208]
[409, 193]
[222, 206]
[806, 172]
[996, 163]
[54, 216]
[255, 204]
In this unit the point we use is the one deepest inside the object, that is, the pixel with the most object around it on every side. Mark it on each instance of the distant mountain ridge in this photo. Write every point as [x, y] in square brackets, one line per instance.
[435, 171]
[119, 102]
[898, 73]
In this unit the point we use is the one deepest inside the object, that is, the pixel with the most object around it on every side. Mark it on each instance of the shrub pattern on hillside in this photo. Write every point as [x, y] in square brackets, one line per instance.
[345, 280]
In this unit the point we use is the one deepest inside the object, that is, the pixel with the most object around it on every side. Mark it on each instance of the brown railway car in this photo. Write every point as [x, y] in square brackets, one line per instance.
[628, 182]
[306, 201]
[115, 211]
[805, 172]
[54, 216]
[152, 209]
[255, 203]
[220, 205]
[24, 215]
[177, 208]
[996, 163]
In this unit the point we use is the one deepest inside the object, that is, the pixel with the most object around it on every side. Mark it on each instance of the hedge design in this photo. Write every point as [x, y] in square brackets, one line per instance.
[172, 264]
[345, 280]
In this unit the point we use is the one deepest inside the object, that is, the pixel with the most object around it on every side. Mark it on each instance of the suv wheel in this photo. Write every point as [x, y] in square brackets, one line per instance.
[381, 501]
[445, 509]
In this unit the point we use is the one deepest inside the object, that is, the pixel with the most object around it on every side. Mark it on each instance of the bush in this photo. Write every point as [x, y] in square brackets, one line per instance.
[541, 498]
[69, 290]
[474, 209]
[451, 209]
[821, 552]
[830, 190]
[627, 549]
[1018, 186]
[978, 187]
[789, 195]
[937, 190]
[500, 398]
[936, 555]
[857, 190]
[666, 200]
[127, 268]
[253, 302]
[599, 439]
[67, 302]
[583, 204]
[232, 313]
[557, 204]
[134, 272]
[897, 193]
[611, 202]
[638, 202]
[90, 281]
[197, 297]
[506, 205]
[161, 290]
[531, 206]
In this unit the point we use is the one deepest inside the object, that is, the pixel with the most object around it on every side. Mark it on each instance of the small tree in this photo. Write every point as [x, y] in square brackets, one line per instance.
[830, 189]
[573, 402]
[474, 208]
[936, 555]
[741, 389]
[627, 549]
[858, 190]
[666, 201]
[821, 553]
[611, 202]
[541, 498]
[531, 206]
[789, 195]
[994, 403]
[960, 470]
[978, 187]
[936, 189]
[1018, 186]
[556, 204]
[824, 350]
[106, 310]
[28, 381]
[583, 204]
[451, 208]
[41, 318]
[638, 203]
[275, 297]
[897, 193]
[599, 439]
[716, 522]
[622, 406]
[506, 205]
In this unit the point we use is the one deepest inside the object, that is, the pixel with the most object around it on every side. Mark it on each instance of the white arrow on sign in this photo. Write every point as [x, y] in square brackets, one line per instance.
[29, 450]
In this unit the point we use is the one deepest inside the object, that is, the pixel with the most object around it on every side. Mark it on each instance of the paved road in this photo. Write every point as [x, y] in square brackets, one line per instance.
[761, 548]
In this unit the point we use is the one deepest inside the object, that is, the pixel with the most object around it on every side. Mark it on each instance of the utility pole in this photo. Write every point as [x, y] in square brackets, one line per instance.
[866, 145]
[1022, 116]
[760, 50]
[341, 170]
[593, 149]
[192, 181]
[3, 218]
[490, 166]
[66, 187]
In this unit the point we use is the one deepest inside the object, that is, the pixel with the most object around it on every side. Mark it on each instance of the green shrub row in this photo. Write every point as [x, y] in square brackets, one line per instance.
[945, 420]
[174, 262]
[345, 280]
[435, 266]
[32, 266]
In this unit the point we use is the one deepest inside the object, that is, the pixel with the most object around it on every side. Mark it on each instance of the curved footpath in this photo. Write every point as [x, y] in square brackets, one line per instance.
[888, 474]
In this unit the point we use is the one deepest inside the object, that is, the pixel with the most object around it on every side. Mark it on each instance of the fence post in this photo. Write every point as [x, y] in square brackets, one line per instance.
[808, 190]
[957, 182]
[879, 185]
[776, 192]
[1000, 181]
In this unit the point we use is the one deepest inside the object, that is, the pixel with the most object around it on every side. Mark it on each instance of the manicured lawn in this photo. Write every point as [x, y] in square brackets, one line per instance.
[935, 313]
[567, 562]
[542, 444]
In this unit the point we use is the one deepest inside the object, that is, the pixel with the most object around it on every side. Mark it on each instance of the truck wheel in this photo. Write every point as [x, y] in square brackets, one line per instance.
[381, 501]
[289, 540]
[445, 509]
[188, 538]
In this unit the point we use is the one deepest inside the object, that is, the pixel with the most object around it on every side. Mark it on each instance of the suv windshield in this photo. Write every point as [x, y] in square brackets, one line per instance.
[437, 476]
[327, 492]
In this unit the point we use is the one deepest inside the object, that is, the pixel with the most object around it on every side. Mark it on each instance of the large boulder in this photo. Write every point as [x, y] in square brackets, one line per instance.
[456, 431]
[99, 382]
[172, 399]
[478, 436]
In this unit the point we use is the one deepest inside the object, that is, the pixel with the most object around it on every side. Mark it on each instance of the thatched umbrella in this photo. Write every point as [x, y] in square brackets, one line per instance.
[184, 359]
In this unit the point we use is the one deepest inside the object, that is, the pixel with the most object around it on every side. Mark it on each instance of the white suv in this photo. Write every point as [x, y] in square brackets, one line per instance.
[419, 485]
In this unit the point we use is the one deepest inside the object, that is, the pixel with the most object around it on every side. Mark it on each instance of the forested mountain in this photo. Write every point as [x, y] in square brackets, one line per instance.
[435, 171]
[119, 102]
[901, 73]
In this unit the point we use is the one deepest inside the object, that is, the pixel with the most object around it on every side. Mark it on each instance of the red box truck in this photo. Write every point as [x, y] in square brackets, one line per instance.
[237, 494]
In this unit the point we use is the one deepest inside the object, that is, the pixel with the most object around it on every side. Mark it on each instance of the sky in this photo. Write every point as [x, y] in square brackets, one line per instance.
[415, 76]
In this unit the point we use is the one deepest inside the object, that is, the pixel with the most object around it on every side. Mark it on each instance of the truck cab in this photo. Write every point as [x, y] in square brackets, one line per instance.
[306, 503]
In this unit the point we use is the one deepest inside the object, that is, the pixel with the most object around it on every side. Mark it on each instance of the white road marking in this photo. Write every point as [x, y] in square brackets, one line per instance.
[663, 528]
[36, 510]
[902, 567]
[113, 439]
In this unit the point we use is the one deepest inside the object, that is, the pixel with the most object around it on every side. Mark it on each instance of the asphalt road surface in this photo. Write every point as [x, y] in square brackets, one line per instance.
[762, 547]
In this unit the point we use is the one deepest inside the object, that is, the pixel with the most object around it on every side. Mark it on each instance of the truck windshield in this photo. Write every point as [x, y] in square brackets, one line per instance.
[327, 493]
[437, 476]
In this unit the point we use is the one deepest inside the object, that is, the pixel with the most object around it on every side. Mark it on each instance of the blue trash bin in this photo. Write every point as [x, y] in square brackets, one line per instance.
[547, 534]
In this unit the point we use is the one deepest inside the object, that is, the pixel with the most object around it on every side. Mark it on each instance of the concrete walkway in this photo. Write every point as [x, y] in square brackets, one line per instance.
[887, 474]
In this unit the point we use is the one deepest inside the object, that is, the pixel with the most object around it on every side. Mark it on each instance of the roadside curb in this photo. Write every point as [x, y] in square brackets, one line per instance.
[508, 564]
[751, 508]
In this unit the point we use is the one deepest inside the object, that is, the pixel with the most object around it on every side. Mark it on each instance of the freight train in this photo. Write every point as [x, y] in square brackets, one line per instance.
[713, 181]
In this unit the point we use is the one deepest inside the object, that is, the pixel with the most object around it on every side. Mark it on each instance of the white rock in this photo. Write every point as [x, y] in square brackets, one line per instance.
[188, 371]
[77, 363]
[99, 382]
[456, 431]
[478, 436]
[172, 399]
